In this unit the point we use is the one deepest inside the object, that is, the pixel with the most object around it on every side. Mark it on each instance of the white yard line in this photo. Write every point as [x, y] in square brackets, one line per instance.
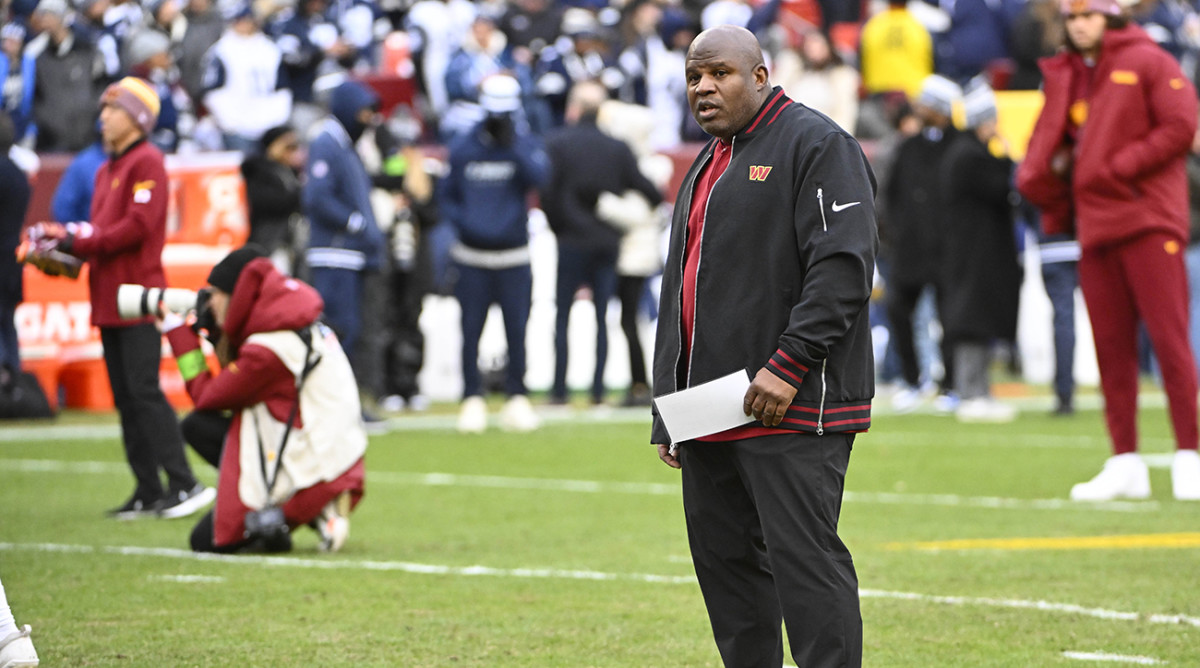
[617, 487]
[570, 574]
[188, 579]
[432, 422]
[504, 482]
[878, 437]
[1159, 460]
[1046, 606]
[333, 564]
[1112, 658]
[995, 502]
[1000, 439]
[60, 466]
[59, 432]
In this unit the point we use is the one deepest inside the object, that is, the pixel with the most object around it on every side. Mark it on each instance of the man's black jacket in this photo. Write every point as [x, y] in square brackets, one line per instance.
[786, 265]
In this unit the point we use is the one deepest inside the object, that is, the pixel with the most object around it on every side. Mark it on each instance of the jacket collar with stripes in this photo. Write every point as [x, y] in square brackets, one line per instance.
[776, 102]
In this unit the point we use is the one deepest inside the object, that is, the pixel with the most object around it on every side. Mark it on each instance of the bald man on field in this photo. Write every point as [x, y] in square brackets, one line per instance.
[769, 272]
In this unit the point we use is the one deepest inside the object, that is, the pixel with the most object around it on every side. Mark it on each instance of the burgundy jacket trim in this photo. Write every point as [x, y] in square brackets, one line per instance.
[789, 370]
[766, 108]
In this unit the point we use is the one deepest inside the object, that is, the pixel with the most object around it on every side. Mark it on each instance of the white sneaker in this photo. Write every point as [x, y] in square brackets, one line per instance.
[472, 417]
[333, 524]
[418, 403]
[182, 504]
[1185, 475]
[392, 403]
[16, 650]
[905, 400]
[985, 409]
[518, 415]
[1123, 477]
[947, 403]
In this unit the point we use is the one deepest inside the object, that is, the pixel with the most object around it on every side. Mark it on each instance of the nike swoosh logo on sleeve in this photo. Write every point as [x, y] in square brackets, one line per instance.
[841, 207]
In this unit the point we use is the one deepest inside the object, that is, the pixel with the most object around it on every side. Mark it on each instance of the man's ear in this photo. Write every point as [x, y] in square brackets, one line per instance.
[760, 76]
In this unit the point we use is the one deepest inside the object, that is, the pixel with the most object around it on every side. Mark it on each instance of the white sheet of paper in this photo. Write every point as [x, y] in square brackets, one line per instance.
[705, 409]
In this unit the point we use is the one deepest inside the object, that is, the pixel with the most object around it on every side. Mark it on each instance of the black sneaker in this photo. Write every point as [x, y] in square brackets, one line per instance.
[1063, 410]
[182, 504]
[136, 508]
[638, 395]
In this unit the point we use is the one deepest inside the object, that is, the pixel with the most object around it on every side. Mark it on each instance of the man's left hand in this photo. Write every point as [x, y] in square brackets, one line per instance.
[768, 398]
[669, 456]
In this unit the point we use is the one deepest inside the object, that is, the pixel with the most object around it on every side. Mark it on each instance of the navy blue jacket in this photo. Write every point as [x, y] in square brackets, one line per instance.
[292, 31]
[343, 233]
[485, 192]
[979, 34]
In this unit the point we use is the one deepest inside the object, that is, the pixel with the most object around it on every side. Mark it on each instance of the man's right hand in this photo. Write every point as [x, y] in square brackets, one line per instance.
[670, 458]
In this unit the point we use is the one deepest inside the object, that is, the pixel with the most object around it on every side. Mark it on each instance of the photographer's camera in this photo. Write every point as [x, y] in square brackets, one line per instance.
[138, 301]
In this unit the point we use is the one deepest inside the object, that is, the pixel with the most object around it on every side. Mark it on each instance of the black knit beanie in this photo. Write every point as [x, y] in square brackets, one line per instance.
[224, 276]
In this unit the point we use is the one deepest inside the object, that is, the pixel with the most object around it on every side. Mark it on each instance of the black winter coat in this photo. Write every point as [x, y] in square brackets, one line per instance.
[912, 238]
[981, 275]
[14, 200]
[273, 197]
[585, 162]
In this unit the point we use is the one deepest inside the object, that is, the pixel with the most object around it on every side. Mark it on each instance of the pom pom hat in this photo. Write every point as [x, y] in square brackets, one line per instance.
[137, 98]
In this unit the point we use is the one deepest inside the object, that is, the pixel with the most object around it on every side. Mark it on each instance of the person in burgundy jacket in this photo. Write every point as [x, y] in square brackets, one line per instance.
[1106, 162]
[290, 388]
[123, 243]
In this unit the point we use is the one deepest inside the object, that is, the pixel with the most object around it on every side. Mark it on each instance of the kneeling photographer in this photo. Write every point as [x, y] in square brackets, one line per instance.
[281, 419]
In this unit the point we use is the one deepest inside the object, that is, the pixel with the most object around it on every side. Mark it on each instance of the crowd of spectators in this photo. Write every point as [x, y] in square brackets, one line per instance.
[258, 77]
[228, 70]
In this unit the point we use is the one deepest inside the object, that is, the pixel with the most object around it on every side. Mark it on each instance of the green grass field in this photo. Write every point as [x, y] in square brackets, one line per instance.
[567, 548]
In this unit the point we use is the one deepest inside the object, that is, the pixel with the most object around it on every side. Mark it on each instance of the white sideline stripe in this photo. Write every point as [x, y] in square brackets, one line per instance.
[1159, 460]
[1115, 658]
[565, 574]
[401, 566]
[1046, 606]
[995, 502]
[1000, 439]
[610, 487]
[59, 466]
[502, 482]
[188, 579]
[54, 432]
